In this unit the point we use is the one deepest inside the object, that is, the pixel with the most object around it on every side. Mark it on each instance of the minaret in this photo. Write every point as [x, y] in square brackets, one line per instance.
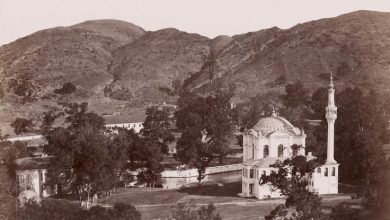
[331, 115]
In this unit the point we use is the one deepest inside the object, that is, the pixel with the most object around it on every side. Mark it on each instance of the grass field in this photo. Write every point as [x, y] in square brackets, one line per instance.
[157, 203]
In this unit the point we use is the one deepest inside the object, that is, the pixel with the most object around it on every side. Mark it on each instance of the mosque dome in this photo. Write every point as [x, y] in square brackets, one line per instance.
[274, 123]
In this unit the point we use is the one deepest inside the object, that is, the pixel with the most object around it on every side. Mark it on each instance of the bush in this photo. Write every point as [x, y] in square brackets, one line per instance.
[67, 88]
[188, 211]
[63, 210]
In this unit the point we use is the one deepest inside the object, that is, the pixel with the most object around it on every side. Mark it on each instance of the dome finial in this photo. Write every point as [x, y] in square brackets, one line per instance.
[273, 112]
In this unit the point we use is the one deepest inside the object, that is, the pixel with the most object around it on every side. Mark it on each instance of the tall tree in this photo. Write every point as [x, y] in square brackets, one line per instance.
[206, 127]
[81, 158]
[296, 103]
[291, 181]
[157, 128]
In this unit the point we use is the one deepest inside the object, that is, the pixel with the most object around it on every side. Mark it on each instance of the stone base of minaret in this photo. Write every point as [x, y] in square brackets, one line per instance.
[324, 179]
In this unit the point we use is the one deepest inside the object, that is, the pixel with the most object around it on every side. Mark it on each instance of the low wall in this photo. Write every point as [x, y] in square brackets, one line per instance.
[194, 172]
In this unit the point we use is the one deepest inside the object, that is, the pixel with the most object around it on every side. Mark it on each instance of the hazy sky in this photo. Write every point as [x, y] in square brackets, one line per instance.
[19, 18]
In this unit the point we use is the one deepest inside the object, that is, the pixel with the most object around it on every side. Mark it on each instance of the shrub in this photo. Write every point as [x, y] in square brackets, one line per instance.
[67, 88]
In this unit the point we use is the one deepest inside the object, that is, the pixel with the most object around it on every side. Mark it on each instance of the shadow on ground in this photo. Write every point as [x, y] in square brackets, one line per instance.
[228, 189]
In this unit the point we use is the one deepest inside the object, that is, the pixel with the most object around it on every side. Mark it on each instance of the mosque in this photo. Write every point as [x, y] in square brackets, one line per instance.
[274, 138]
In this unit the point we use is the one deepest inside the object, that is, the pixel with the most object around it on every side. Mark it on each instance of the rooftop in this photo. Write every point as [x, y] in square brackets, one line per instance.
[274, 123]
[122, 119]
[32, 163]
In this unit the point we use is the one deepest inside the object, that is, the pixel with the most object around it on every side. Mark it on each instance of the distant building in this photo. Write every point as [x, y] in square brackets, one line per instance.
[169, 108]
[30, 175]
[129, 122]
[271, 139]
[31, 137]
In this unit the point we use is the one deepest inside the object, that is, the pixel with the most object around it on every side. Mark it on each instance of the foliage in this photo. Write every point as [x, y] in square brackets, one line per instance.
[7, 176]
[175, 90]
[290, 180]
[295, 103]
[22, 125]
[206, 126]
[151, 163]
[188, 211]
[360, 129]
[67, 88]
[281, 212]
[344, 212]
[142, 153]
[57, 209]
[246, 115]
[82, 161]
[157, 128]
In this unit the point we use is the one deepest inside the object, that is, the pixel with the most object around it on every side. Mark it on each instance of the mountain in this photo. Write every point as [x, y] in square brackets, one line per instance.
[112, 63]
[354, 46]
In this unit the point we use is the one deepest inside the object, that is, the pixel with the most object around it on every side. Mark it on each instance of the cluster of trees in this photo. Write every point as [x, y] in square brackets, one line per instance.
[87, 158]
[189, 211]
[207, 129]
[361, 132]
[57, 209]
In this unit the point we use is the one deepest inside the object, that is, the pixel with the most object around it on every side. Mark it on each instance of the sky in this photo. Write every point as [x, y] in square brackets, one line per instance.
[210, 18]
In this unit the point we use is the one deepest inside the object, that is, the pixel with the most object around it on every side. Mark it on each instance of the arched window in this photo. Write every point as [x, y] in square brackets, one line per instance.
[280, 150]
[266, 151]
[333, 171]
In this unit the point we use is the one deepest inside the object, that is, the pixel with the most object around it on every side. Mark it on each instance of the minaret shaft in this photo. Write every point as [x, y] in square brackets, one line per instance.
[331, 115]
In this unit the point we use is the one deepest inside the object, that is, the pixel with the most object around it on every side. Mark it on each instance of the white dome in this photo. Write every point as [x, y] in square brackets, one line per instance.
[271, 124]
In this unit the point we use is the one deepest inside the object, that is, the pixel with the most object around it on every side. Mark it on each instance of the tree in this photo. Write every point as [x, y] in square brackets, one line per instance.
[157, 128]
[67, 88]
[361, 128]
[58, 209]
[22, 125]
[206, 127]
[7, 176]
[296, 103]
[151, 163]
[247, 114]
[82, 160]
[290, 180]
[188, 211]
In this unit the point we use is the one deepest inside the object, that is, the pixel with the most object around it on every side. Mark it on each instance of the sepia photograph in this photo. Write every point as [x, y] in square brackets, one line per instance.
[195, 110]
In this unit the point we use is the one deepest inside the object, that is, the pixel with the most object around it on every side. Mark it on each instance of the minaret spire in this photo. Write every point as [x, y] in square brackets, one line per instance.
[331, 80]
[273, 112]
[331, 115]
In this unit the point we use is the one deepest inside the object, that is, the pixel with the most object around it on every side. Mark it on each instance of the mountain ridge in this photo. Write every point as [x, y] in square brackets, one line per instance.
[111, 61]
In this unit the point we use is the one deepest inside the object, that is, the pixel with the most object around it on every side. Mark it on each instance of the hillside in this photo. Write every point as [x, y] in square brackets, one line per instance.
[355, 47]
[114, 63]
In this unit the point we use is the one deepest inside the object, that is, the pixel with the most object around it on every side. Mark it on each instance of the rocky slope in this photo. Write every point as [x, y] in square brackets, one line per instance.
[355, 47]
[112, 62]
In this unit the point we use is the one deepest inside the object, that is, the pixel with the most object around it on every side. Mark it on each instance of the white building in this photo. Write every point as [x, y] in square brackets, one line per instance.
[274, 138]
[129, 122]
[31, 175]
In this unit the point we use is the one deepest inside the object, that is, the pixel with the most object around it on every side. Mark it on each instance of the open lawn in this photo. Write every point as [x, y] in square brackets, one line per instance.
[157, 203]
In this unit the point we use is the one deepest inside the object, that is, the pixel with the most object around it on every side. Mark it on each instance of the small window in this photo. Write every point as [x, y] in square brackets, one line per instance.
[326, 172]
[266, 151]
[251, 173]
[333, 171]
[318, 170]
[264, 173]
[280, 150]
